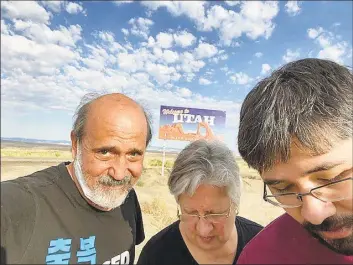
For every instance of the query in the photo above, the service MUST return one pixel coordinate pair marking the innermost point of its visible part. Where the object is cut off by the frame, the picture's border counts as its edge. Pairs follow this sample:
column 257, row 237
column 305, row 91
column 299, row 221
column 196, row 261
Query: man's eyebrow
column 323, row 167
column 273, row 182
column 135, row 150
column 105, row 147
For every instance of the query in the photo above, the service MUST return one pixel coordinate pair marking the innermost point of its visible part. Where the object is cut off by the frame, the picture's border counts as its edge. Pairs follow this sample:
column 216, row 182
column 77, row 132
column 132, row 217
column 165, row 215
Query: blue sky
column 195, row 54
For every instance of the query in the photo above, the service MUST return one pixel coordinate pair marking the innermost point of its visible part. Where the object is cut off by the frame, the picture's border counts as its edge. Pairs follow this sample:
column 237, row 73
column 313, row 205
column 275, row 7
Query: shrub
column 155, row 163
column 158, row 209
column 169, row 164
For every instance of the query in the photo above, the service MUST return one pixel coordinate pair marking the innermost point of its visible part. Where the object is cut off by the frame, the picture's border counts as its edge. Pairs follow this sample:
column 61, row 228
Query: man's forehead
column 303, row 162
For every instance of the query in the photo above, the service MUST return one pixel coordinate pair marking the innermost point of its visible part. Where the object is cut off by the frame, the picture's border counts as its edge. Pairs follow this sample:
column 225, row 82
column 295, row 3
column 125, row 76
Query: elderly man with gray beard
column 85, row 211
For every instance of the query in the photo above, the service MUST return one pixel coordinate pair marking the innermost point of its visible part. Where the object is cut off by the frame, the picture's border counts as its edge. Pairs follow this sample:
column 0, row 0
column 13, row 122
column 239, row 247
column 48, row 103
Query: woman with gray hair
column 206, row 184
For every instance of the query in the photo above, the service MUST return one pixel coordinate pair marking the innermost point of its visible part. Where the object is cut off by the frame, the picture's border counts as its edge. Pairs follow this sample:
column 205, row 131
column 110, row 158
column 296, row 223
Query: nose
column 118, row 168
column 316, row 211
column 204, row 227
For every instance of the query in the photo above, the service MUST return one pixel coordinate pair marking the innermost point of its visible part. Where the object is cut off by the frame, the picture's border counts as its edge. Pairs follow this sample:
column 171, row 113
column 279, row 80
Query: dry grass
column 159, row 212
column 35, row 153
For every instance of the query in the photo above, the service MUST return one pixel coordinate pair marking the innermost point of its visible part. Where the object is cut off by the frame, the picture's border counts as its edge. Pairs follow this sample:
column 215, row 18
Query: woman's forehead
column 205, row 198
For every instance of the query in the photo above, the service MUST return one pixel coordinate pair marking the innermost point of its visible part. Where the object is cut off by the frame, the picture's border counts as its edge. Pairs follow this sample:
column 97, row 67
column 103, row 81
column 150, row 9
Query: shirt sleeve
column 140, row 232
column 242, row 258
column 146, row 256
column 17, row 221
column 143, row 258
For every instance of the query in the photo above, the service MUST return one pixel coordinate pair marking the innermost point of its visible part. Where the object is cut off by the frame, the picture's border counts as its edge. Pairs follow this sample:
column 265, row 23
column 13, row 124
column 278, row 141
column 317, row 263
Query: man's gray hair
column 80, row 116
column 205, row 162
column 306, row 102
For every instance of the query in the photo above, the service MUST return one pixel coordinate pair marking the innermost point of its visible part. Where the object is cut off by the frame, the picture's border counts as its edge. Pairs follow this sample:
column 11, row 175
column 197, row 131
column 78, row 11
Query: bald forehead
column 114, row 100
column 118, row 109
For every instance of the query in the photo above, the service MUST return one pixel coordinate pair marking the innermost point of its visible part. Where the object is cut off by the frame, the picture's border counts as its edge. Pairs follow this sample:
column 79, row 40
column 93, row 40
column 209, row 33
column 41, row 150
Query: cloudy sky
column 195, row 54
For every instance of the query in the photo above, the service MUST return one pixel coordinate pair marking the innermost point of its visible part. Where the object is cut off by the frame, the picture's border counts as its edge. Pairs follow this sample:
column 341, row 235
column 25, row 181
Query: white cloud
column 170, row 56
column 240, row 78
column 254, row 19
column 335, row 52
column 4, row 28
column 41, row 33
column 193, row 9
column 330, row 45
column 54, row 6
column 218, row 58
column 129, row 62
column 258, row 54
column 204, row 81
column 232, row 3
column 258, row 18
column 313, row 33
column 118, row 3
column 125, row 31
column 291, row 55
column 184, row 92
column 73, row 8
column 292, row 8
column 106, row 36
column 164, row 40
column 98, row 57
column 205, row 50
column 189, row 64
column 265, row 68
column 27, row 56
column 166, row 56
column 162, row 73
column 224, row 69
column 235, row 44
column 27, row 10
column 141, row 26
column 184, row 39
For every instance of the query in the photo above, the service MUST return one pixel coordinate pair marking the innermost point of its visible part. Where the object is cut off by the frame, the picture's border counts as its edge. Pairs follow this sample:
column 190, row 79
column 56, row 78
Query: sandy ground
column 158, row 206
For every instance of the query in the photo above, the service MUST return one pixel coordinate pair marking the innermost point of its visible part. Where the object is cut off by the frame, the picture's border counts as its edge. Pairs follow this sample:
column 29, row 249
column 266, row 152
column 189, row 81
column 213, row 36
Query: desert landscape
column 158, row 206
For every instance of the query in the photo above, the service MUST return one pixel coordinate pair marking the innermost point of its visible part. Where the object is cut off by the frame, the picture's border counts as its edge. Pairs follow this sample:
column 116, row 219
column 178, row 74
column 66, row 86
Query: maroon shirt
column 285, row 241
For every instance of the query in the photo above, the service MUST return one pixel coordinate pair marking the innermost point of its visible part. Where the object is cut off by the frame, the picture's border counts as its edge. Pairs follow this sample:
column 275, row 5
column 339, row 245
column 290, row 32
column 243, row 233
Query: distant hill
column 38, row 141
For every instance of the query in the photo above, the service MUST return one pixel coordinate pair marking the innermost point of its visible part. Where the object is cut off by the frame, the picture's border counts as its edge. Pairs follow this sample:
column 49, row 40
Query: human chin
column 335, row 232
column 100, row 195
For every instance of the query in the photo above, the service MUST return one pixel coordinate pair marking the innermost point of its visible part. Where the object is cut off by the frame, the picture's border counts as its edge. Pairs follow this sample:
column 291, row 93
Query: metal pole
column 163, row 160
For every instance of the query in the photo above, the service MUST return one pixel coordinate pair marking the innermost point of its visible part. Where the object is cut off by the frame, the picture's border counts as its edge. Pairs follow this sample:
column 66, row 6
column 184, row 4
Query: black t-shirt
column 45, row 220
column 168, row 246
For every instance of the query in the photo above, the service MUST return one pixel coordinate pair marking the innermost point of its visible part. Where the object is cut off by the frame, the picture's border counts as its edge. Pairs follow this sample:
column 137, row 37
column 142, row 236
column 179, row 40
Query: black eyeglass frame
column 299, row 195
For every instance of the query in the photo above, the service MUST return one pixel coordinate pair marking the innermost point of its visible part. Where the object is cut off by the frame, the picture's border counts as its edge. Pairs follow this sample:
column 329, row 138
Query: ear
column 73, row 144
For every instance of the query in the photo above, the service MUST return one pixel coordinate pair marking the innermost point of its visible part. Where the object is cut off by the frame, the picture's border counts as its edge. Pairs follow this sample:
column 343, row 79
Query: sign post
column 163, row 159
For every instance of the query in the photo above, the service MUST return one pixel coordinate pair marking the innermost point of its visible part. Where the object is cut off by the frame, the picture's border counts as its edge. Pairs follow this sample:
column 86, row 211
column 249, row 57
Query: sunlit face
column 109, row 159
column 207, row 199
column 330, row 222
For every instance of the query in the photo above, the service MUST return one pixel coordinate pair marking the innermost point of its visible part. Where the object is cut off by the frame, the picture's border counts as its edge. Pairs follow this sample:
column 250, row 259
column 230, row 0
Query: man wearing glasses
column 206, row 184
column 296, row 130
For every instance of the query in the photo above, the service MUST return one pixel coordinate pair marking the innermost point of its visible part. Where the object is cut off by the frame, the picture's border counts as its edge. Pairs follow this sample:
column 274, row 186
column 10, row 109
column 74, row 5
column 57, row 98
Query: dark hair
column 306, row 102
column 82, row 110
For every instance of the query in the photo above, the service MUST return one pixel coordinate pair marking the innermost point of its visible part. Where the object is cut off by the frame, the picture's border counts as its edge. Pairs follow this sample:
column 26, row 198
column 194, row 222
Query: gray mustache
column 109, row 181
